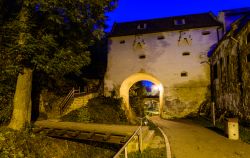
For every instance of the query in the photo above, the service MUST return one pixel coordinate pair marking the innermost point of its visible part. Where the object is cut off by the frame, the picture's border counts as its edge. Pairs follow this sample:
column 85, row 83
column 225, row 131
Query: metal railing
column 65, row 102
column 138, row 133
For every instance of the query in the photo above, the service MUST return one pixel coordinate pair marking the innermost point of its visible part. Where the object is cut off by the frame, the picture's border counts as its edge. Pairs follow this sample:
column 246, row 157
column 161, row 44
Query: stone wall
column 231, row 73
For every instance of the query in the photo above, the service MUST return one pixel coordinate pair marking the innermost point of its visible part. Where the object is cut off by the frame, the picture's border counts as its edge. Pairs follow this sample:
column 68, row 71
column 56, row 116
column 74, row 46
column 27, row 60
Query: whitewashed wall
column 165, row 61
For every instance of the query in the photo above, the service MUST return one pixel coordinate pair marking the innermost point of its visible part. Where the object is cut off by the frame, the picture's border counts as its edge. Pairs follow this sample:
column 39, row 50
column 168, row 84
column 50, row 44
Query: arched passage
column 127, row 83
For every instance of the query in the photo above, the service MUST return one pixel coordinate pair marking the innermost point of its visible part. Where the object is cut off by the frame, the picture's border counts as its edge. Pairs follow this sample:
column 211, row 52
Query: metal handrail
column 66, row 100
column 130, row 139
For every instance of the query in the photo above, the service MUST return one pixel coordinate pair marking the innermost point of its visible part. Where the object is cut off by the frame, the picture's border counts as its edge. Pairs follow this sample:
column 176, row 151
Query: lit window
column 142, row 56
column 184, row 74
column 205, row 32
column 186, row 53
column 179, row 21
column 141, row 26
column 160, row 37
column 122, row 41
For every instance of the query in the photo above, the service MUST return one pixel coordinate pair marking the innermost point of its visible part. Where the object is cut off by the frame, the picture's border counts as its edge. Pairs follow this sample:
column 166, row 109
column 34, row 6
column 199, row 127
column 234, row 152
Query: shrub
column 99, row 110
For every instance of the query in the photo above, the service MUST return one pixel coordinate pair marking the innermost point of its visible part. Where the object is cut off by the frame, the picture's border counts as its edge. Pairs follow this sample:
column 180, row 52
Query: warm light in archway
column 155, row 89
column 160, row 87
column 128, row 82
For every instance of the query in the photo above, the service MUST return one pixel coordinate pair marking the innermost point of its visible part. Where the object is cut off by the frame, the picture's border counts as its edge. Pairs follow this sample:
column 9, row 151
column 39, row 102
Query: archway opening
column 144, row 98
column 130, row 81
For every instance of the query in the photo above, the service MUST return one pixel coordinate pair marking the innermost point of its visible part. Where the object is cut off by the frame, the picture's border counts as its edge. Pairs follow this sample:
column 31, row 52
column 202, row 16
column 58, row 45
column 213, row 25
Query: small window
column 184, row 74
column 122, row 41
column 142, row 26
column 205, row 32
column 248, row 58
column 185, row 53
column 160, row 37
column 142, row 56
column 248, row 38
column 215, row 71
column 179, row 21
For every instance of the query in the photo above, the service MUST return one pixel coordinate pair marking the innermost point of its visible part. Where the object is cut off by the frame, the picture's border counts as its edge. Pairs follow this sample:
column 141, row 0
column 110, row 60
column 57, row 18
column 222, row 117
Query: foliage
column 26, row 144
column 99, row 110
column 137, row 93
column 148, row 153
column 56, row 34
column 50, row 37
column 7, row 87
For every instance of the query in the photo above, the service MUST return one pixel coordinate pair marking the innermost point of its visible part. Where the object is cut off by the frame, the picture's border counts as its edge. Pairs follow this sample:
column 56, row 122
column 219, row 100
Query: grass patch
column 26, row 144
column 148, row 153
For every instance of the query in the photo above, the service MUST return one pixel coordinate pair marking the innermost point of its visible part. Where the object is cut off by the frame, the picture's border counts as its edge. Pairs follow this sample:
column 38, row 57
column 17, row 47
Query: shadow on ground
column 217, row 130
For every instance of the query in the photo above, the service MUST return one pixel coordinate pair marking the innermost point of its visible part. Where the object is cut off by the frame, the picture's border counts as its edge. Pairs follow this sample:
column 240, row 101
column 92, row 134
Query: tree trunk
column 22, row 100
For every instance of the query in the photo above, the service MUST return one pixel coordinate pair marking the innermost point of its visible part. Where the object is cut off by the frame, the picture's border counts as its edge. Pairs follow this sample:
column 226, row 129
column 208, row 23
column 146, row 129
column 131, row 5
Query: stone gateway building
column 174, row 52
column 170, row 52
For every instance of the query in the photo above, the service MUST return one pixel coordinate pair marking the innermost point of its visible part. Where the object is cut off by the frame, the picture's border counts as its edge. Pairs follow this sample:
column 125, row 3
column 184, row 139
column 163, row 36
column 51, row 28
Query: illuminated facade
column 171, row 53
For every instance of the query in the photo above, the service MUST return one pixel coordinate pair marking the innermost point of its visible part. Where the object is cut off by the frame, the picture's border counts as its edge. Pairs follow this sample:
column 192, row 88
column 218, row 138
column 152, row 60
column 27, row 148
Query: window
column 221, row 68
column 122, row 41
column 142, row 26
column 142, row 56
column 248, row 58
column 160, row 37
column 185, row 53
column 215, row 71
column 205, row 32
column 228, row 67
column 179, row 21
column 184, row 74
column 248, row 38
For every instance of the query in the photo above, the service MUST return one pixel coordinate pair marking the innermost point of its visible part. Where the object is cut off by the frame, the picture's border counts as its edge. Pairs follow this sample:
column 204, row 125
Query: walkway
column 117, row 134
column 190, row 140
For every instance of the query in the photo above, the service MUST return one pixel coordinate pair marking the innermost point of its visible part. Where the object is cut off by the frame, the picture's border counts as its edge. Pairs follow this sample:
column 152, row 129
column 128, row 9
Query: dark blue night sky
column 130, row 10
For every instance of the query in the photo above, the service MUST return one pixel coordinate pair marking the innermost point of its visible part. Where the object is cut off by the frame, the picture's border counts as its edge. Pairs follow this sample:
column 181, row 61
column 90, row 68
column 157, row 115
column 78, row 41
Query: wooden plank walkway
column 117, row 134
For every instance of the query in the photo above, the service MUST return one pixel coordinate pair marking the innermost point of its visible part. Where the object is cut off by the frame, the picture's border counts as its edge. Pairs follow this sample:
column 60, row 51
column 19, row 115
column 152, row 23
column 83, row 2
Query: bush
column 136, row 103
column 6, row 109
column 5, row 114
column 99, row 110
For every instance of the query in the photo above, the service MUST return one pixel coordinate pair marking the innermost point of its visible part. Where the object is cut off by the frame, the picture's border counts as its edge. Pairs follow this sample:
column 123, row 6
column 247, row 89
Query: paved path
column 190, row 140
column 91, row 127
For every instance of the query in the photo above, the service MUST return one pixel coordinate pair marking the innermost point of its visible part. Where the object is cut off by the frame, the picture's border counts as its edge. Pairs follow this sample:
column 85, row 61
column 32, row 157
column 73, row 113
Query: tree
column 51, row 37
column 137, row 94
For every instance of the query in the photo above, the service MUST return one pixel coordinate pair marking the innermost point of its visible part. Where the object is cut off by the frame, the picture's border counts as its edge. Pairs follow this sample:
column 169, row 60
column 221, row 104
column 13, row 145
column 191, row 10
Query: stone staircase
column 80, row 101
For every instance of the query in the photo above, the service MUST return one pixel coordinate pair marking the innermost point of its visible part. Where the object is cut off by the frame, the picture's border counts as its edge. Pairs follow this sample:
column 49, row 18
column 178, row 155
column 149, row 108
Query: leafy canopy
column 55, row 35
